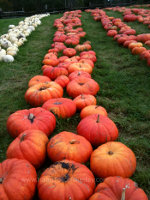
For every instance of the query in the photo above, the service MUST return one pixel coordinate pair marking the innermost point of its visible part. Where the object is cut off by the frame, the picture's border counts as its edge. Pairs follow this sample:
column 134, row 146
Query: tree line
column 52, row 5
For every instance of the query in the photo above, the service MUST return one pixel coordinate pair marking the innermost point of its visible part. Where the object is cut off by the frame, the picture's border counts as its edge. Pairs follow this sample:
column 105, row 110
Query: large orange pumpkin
column 82, row 85
column 38, row 79
column 113, row 159
column 66, row 180
column 18, row 180
column 84, row 100
column 118, row 188
column 34, row 118
column 97, row 129
column 69, row 52
column 93, row 109
column 62, row 107
column 29, row 145
column 67, row 145
column 40, row 93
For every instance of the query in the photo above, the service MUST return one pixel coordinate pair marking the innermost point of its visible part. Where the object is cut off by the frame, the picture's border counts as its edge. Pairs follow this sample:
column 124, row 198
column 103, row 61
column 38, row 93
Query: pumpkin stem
column 22, row 138
column 82, row 96
column 98, row 119
column 1, row 180
column 31, row 117
column 79, row 73
column 74, row 142
column 96, row 106
column 110, row 153
column 123, row 194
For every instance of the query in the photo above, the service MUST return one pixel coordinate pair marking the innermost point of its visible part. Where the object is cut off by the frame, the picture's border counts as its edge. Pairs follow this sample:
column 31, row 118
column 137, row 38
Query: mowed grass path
column 124, row 82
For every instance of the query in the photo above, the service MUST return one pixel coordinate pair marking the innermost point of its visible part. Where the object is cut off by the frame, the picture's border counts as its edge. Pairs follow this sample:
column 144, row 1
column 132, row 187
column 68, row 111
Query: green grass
column 124, row 80
column 4, row 23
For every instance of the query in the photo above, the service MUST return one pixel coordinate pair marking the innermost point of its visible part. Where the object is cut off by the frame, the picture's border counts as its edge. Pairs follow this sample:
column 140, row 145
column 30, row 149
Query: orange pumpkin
column 82, row 85
column 66, row 180
column 62, row 107
column 138, row 50
column 18, row 180
column 97, row 129
column 38, row 79
column 80, row 67
column 90, row 62
column 40, row 93
column 77, row 74
column 135, row 44
column 54, row 72
column 113, row 159
column 69, row 52
column 67, row 145
column 29, row 145
column 118, row 188
column 84, row 100
column 34, row 118
column 92, row 109
column 62, row 80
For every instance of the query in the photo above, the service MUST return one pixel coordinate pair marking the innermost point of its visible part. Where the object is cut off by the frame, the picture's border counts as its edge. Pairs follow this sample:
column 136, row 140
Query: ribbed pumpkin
column 34, row 118
column 90, row 62
column 84, row 100
column 62, row 80
column 80, row 67
column 67, row 145
column 113, row 159
column 93, row 109
column 54, row 72
column 62, row 107
column 69, row 52
column 38, row 79
column 82, row 85
column 29, row 145
column 40, row 93
column 97, row 129
column 18, row 180
column 51, row 61
column 118, row 188
column 66, row 180
column 138, row 50
column 77, row 74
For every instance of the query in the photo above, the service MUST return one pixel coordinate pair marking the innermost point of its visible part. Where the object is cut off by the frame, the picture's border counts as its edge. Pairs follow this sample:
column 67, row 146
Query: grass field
column 124, row 80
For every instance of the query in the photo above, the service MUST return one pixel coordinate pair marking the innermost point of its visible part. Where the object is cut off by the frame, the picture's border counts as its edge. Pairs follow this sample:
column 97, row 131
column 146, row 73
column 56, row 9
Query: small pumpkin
column 62, row 80
column 67, row 145
column 80, row 67
column 29, row 145
column 63, row 179
column 62, row 107
column 34, row 118
column 18, row 180
column 92, row 109
column 54, row 72
column 38, row 79
column 82, row 85
column 97, row 129
column 118, row 188
column 84, row 100
column 113, row 159
column 77, row 74
column 69, row 52
column 40, row 93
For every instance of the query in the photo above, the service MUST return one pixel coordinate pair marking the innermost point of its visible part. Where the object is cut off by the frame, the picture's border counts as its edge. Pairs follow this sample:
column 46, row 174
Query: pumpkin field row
column 68, row 67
